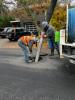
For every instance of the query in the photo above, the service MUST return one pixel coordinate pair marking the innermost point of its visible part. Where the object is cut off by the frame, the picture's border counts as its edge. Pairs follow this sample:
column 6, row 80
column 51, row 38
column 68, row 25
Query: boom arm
column 51, row 9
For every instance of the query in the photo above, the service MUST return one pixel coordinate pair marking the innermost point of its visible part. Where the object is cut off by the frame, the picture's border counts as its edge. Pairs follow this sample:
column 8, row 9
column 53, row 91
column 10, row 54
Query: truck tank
column 71, row 24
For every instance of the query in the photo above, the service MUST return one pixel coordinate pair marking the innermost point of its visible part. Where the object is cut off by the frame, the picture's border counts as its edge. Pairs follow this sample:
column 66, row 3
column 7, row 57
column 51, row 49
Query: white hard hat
column 44, row 24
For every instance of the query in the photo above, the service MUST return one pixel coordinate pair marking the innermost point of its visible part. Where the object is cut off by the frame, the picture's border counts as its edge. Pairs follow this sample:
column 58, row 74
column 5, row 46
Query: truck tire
column 10, row 39
column 3, row 36
column 69, row 66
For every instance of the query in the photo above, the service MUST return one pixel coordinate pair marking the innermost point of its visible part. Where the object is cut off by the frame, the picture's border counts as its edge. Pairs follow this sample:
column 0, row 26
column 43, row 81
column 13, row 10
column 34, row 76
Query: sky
column 11, row 6
column 72, row 2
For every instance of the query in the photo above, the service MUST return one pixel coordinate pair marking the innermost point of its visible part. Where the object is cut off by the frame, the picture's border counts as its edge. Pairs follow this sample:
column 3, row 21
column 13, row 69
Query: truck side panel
column 71, row 25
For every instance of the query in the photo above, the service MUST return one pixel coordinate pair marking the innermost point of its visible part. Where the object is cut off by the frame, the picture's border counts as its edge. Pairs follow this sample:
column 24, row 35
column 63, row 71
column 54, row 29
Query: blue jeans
column 57, row 45
column 25, row 50
column 51, row 43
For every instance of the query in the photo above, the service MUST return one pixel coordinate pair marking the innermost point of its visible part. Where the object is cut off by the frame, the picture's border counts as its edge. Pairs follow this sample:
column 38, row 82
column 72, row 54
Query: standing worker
column 26, row 43
column 49, row 30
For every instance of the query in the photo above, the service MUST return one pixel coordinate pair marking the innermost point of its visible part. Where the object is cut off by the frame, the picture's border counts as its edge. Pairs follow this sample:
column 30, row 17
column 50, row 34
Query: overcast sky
column 72, row 2
column 11, row 6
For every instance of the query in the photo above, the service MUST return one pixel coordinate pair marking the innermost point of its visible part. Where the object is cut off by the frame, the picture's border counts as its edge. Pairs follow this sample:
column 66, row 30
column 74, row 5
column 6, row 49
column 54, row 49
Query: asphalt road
column 46, row 80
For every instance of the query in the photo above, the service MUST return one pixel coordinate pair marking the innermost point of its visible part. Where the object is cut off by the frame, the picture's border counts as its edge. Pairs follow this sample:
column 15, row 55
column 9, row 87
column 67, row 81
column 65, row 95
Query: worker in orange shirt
column 26, row 43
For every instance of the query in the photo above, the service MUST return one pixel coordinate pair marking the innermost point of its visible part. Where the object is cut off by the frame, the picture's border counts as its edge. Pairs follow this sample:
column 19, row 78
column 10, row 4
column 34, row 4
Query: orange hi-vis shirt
column 26, row 39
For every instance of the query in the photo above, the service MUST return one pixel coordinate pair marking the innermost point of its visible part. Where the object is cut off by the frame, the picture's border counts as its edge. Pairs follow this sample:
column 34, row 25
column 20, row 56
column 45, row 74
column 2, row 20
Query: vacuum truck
column 67, row 37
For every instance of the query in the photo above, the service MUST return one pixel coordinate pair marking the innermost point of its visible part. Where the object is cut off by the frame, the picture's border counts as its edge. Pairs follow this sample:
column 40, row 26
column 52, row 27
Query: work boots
column 58, row 52
column 52, row 52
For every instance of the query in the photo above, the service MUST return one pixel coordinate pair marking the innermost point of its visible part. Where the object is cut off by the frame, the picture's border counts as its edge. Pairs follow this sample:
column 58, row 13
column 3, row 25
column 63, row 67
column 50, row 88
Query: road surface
column 45, row 80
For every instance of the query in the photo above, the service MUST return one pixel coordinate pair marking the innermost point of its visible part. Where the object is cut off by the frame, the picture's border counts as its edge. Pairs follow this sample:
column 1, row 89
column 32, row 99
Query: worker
column 26, row 43
column 49, row 31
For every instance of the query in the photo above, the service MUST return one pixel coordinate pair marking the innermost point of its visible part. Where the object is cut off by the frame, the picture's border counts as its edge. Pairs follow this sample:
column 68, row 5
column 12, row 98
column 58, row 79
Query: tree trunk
column 51, row 9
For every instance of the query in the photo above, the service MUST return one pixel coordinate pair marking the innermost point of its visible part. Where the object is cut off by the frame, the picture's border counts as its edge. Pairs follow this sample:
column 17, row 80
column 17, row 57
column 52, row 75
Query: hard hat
column 44, row 24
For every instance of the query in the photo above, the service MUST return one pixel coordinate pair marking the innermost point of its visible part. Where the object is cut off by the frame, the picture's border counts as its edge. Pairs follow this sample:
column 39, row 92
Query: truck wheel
column 15, row 39
column 67, row 65
column 10, row 39
column 70, row 67
column 3, row 36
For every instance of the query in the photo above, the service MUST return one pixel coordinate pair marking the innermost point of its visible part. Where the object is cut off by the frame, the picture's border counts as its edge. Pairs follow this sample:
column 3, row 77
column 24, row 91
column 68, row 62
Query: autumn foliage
column 59, row 18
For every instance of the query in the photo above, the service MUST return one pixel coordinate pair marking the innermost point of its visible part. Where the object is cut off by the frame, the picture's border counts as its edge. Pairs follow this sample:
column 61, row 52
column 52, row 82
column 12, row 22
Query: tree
column 19, row 13
column 50, row 10
column 58, row 19
column 35, row 12
column 5, row 21
column 27, row 4
column 3, row 7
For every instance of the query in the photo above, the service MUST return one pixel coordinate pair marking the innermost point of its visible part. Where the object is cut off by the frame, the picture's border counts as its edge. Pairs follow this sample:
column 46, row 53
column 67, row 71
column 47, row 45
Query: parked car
column 15, row 33
column 3, row 34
